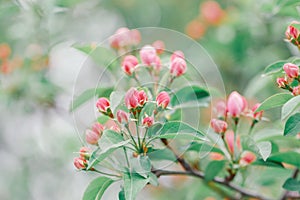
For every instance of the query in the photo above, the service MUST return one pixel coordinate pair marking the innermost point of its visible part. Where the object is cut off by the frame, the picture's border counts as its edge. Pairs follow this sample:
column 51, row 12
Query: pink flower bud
column 236, row 104
column 131, row 98
column 98, row 128
column 219, row 126
column 85, row 152
column 291, row 70
column 122, row 117
column 115, row 128
column 216, row 156
column 177, row 54
column 247, row 158
column 229, row 139
column 292, row 33
column 103, row 104
column 135, row 37
column 157, row 64
column 129, row 64
column 178, row 67
column 296, row 90
column 281, row 82
column 148, row 55
column 142, row 98
column 91, row 137
column 257, row 115
column 148, row 121
column 221, row 109
column 163, row 99
column 159, row 46
column 80, row 163
column 121, row 38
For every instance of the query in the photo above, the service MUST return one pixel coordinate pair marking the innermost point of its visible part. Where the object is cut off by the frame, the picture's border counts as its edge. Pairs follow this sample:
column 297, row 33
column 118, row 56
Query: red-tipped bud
column 221, row 109
column 178, row 67
column 291, row 70
column 148, row 55
column 219, row 126
column 148, row 121
column 229, row 139
column 291, row 33
column 98, row 128
column 163, row 99
column 91, row 137
column 216, row 156
column 159, row 46
column 80, row 163
column 281, row 82
column 257, row 115
column 103, row 104
column 121, row 38
column 85, row 152
column 131, row 98
column 115, row 128
column 129, row 64
column 177, row 54
column 211, row 12
column 247, row 158
column 236, row 104
column 142, row 97
column 296, row 90
column 122, row 117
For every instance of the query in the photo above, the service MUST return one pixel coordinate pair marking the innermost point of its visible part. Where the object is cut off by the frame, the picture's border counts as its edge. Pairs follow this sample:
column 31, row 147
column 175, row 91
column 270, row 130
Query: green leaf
column 161, row 154
column 268, row 163
column 171, row 130
column 291, row 184
column 292, row 125
column 109, row 142
column 89, row 94
column 292, row 158
column 133, row 184
column 274, row 101
column 153, row 179
column 203, row 147
column 102, row 56
column 289, row 107
column 190, row 96
column 96, row 188
column 103, row 119
column 213, row 169
column 116, row 99
column 147, row 110
column 122, row 195
column 274, row 68
column 265, row 149
column 141, row 165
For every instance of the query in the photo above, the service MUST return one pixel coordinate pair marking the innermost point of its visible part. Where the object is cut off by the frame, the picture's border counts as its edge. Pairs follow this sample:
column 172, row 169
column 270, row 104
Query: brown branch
column 189, row 171
column 287, row 194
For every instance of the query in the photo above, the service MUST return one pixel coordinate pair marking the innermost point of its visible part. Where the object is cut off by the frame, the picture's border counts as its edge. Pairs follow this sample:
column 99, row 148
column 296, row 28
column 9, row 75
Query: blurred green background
column 38, row 137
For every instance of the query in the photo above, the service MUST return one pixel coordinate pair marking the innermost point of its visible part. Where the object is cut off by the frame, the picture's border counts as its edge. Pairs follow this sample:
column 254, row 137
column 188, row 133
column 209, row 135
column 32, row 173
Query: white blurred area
column 37, row 149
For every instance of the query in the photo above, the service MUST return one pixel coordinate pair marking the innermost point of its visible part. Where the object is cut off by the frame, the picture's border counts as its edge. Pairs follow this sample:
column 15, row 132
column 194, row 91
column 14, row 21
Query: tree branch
column 189, row 171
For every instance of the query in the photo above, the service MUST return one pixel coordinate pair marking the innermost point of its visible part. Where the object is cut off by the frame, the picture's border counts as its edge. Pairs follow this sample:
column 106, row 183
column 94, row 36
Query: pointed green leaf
column 89, row 94
column 190, row 96
column 178, row 130
column 213, row 169
column 96, row 188
column 133, row 184
column 274, row 67
column 274, row 101
column 292, row 125
column 289, row 107
column 292, row 184
column 265, row 149
column 292, row 158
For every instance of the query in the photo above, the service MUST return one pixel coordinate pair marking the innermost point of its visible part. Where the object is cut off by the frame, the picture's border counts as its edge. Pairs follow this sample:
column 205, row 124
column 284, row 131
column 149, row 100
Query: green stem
column 106, row 174
column 235, row 126
column 137, row 80
column 138, row 135
column 135, row 144
column 252, row 126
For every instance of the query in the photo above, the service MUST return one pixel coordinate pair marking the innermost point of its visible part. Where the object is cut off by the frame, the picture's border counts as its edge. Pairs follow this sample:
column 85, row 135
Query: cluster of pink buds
column 292, row 33
column 291, row 80
column 124, row 39
column 226, row 123
column 81, row 162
